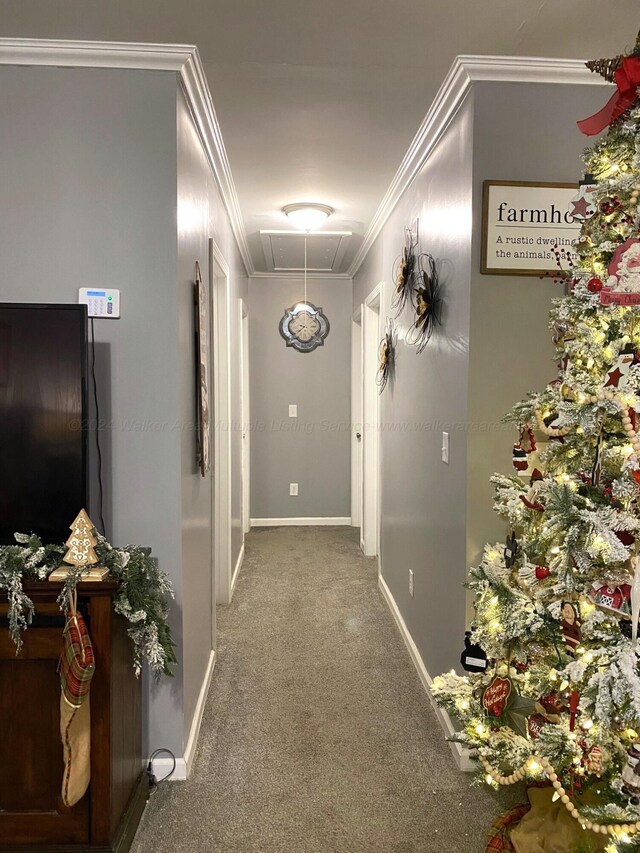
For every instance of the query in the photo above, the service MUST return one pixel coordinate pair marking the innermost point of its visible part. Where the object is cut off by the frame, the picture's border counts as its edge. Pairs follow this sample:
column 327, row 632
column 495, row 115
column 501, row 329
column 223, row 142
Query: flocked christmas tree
column 557, row 607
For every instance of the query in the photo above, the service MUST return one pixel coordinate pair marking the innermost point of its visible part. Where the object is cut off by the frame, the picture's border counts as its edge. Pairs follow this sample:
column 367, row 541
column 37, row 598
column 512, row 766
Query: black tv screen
column 43, row 419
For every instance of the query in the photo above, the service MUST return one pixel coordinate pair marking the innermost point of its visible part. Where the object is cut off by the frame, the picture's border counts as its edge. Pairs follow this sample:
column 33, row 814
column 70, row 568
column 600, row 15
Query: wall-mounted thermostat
column 100, row 302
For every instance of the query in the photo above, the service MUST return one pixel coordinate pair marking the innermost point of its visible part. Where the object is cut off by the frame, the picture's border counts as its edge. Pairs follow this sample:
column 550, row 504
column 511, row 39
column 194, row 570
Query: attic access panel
column 284, row 250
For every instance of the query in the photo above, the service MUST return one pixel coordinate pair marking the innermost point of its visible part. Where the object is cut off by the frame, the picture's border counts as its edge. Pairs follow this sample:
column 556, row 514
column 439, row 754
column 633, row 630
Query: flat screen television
column 43, row 419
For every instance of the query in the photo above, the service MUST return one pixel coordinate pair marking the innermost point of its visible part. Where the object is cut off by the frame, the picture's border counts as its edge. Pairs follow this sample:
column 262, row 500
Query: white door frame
column 246, row 416
column 221, row 345
column 356, row 419
column 371, row 334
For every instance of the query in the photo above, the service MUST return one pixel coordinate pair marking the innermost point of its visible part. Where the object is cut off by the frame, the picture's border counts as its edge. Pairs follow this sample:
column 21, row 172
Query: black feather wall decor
column 405, row 273
column 427, row 302
column 387, row 355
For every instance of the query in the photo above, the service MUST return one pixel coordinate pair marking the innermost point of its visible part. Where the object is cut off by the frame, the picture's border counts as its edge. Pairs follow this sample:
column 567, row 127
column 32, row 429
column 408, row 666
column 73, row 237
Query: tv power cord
column 151, row 776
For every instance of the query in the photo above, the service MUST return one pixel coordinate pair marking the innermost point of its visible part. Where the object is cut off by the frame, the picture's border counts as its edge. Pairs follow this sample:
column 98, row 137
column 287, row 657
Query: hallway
column 317, row 736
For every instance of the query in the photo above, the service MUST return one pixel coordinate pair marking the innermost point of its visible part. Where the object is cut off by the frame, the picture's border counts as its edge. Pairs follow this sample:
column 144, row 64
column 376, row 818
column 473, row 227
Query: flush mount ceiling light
column 308, row 216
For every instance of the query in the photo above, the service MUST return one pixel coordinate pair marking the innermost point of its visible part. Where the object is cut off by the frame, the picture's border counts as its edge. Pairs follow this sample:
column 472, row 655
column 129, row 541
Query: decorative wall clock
column 304, row 327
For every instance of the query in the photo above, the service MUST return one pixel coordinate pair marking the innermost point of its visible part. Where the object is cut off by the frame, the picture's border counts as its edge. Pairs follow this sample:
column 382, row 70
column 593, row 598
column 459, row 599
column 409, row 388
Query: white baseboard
column 461, row 754
column 342, row 521
column 162, row 765
column 236, row 571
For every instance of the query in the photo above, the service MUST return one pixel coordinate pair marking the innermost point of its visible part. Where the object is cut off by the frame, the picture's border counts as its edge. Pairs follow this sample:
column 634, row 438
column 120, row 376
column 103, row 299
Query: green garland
column 142, row 595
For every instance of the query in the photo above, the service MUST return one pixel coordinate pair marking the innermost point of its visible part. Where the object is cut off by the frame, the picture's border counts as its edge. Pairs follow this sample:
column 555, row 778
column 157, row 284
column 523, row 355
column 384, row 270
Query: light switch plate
column 293, row 410
column 293, row 489
column 445, row 447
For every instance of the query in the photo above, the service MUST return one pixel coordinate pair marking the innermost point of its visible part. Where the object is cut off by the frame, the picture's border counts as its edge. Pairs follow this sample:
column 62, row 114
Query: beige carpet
column 317, row 736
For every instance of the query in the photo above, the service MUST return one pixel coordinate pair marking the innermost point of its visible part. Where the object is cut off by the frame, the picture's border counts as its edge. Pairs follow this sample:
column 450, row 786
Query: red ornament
column 594, row 285
column 616, row 599
column 494, row 698
column 535, row 725
column 542, row 572
column 573, row 709
column 625, row 537
column 553, row 704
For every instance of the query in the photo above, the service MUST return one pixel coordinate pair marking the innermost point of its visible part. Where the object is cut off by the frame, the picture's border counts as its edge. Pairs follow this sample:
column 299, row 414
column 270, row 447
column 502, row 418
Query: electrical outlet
column 411, row 582
column 293, row 410
column 293, row 489
column 445, row 447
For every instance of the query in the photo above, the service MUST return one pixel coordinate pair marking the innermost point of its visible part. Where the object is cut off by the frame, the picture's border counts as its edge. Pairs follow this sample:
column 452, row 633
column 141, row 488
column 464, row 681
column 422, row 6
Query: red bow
column 627, row 80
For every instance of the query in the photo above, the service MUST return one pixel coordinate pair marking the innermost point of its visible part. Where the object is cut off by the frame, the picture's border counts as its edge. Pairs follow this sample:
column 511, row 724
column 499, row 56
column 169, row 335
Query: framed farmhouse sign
column 522, row 222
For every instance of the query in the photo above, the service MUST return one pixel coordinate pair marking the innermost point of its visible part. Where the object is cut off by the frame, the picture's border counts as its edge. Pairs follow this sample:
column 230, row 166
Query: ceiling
column 319, row 101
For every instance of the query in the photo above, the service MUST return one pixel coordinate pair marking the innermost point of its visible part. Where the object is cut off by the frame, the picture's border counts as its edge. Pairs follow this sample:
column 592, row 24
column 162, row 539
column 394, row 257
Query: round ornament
column 594, row 285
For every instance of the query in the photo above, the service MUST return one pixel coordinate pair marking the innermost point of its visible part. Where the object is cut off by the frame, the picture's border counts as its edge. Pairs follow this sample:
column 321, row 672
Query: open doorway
column 371, row 335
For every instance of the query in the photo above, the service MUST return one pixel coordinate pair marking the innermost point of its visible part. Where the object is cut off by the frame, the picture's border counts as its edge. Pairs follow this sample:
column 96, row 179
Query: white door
column 356, row 421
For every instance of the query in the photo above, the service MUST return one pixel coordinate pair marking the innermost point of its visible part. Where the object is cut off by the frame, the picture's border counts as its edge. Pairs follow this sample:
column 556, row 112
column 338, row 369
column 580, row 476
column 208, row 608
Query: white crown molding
column 196, row 88
column 184, row 60
column 94, row 54
column 465, row 71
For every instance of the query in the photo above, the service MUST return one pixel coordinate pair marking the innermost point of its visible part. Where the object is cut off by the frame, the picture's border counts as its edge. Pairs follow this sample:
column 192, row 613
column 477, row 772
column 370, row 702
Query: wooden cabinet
column 32, row 816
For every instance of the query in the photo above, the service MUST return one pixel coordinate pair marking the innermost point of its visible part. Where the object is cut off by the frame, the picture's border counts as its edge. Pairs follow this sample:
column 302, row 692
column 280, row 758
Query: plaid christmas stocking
column 76, row 671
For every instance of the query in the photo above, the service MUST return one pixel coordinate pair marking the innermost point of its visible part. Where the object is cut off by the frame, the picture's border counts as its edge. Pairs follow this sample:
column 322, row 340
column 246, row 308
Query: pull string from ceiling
column 305, row 269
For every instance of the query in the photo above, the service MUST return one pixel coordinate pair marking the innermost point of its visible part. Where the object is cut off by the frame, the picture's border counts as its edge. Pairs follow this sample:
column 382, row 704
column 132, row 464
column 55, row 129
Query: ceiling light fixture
column 308, row 216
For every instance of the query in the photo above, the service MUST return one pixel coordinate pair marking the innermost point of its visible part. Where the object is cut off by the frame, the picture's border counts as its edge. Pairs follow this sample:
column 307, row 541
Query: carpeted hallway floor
column 317, row 736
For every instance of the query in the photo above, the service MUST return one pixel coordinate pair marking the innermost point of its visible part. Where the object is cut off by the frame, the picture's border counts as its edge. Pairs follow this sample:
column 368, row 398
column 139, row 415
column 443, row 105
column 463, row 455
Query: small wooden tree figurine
column 81, row 542
column 80, row 551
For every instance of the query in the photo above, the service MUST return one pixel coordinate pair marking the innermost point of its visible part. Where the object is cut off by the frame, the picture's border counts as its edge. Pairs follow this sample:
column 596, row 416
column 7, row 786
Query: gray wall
column 494, row 346
column 313, row 449
column 88, row 176
column 521, row 133
column 423, row 500
column 97, row 166
column 200, row 216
